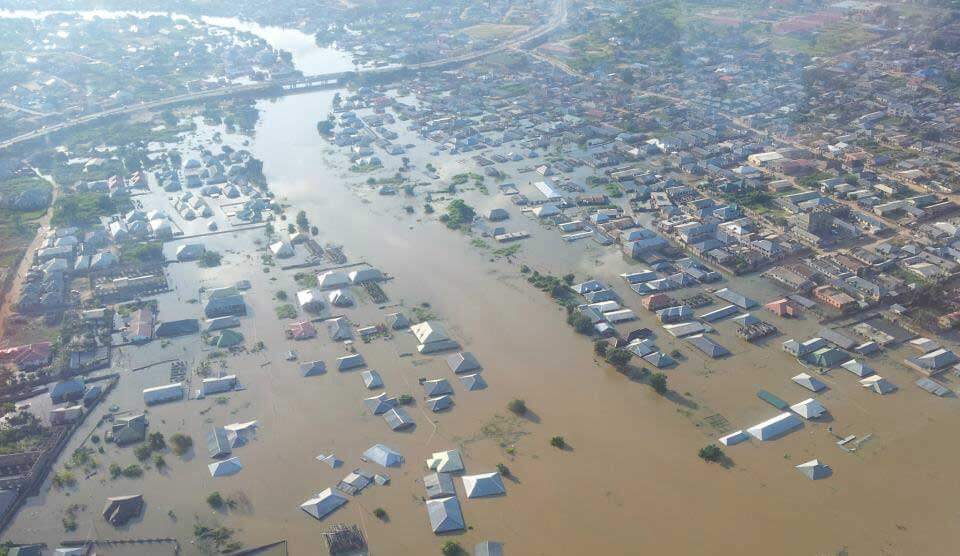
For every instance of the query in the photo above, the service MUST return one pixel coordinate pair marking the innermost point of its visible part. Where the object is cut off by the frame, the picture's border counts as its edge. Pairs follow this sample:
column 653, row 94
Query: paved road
column 558, row 19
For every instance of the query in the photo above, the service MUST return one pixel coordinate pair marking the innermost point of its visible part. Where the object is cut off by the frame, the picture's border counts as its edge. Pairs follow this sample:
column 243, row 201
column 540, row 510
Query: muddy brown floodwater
column 631, row 482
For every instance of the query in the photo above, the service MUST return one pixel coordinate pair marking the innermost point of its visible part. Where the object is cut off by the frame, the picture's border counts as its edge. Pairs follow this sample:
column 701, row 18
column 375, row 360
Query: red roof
column 28, row 355
column 302, row 330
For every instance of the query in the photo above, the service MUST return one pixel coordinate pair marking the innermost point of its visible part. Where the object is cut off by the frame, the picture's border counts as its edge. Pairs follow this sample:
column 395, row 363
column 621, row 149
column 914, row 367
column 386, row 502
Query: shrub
column 380, row 513
column 452, row 548
column 503, row 470
column 156, row 441
column 132, row 471
column 600, row 348
column 619, row 358
column 142, row 451
column 210, row 259
column 159, row 462
column 659, row 383
column 558, row 442
column 580, row 322
column 281, row 295
column 711, row 453
column 63, row 479
column 215, row 500
column 405, row 399
column 517, row 406
column 181, row 443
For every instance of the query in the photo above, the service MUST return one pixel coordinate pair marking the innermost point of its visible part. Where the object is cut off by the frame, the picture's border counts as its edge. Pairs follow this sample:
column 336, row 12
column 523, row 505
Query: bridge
column 305, row 83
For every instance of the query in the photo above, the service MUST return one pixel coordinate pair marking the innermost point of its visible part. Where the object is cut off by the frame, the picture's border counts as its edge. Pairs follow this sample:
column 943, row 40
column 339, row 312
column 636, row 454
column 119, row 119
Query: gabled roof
column 473, row 382
column 371, row 379
column 659, row 359
column 313, row 368
column 485, row 484
column 398, row 321
column 225, row 468
column 352, row 361
column 380, row 403
column 708, row 346
column 878, row 384
column 120, row 509
column 463, row 362
column 217, row 444
column 439, row 485
column 436, row 387
column 339, row 329
column 332, row 279
column 397, row 419
column 445, row 515
column 439, row 403
column 323, row 503
column 365, row 275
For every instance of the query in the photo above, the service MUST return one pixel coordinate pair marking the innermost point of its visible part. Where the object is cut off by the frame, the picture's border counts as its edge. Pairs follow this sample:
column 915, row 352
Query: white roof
column 281, row 249
column 446, row 462
column 323, row 504
column 365, row 275
column 733, row 438
column 775, row 427
column 809, row 382
column 429, row 331
column 485, row 484
column 545, row 210
column 878, row 384
column 332, row 279
column 809, row 408
column 382, row 455
column 813, row 469
column 226, row 467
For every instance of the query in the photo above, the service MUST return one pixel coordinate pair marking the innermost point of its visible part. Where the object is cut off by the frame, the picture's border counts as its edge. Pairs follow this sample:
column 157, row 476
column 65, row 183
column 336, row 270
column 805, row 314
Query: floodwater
column 308, row 57
column 631, row 482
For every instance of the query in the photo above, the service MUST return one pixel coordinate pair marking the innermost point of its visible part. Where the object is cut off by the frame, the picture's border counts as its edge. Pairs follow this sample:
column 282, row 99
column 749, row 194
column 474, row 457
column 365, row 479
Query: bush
column 503, row 470
column 517, row 406
column 711, row 453
column 142, row 451
column 380, row 513
column 580, row 322
column 132, row 471
column 181, row 443
column 281, row 295
column 63, row 479
column 404, row 399
column 558, row 442
column 600, row 348
column 619, row 358
column 156, row 441
column 659, row 383
column 215, row 500
column 452, row 548
column 210, row 259
column 159, row 462
column 428, row 208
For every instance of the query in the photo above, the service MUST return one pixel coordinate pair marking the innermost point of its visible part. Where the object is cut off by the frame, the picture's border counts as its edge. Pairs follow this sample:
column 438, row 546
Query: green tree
column 517, row 406
column 711, row 453
column 659, row 383
column 619, row 358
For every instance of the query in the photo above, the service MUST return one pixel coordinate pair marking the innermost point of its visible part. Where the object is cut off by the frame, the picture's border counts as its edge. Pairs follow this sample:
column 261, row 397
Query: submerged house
column 432, row 337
